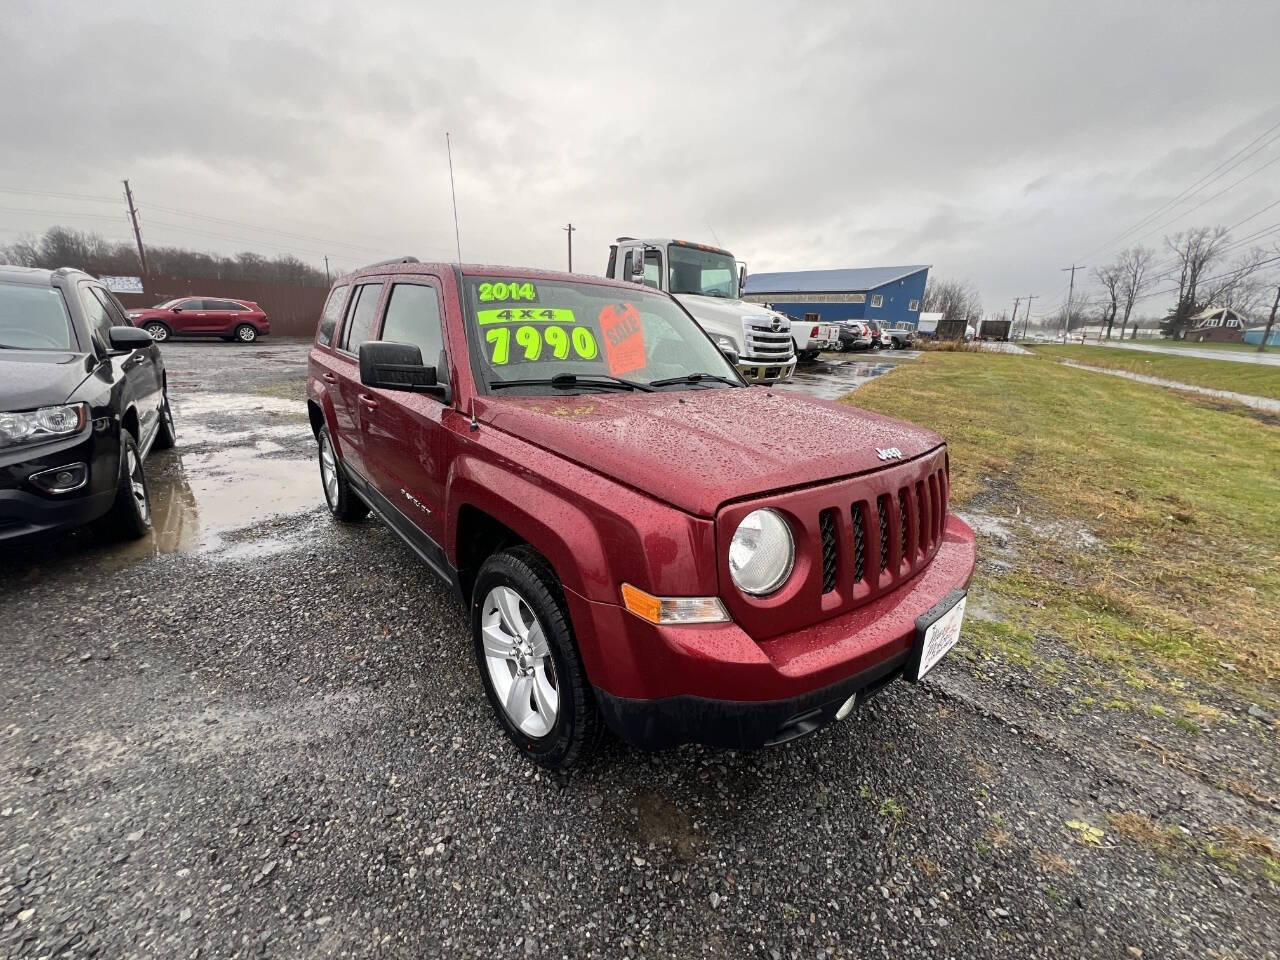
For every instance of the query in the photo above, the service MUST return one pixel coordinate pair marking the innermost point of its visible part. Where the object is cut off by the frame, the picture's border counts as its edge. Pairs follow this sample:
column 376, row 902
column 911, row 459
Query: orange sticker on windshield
column 623, row 338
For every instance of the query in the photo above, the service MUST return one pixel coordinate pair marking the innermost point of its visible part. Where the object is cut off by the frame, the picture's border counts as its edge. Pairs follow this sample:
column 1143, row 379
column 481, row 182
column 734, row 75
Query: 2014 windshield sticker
column 499, row 291
column 623, row 338
column 539, row 343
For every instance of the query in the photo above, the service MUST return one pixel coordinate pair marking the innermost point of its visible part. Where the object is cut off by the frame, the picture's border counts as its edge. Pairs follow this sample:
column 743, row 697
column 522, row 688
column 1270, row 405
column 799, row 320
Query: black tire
column 246, row 333
column 159, row 332
column 343, row 502
column 130, row 515
column 577, row 729
column 166, row 432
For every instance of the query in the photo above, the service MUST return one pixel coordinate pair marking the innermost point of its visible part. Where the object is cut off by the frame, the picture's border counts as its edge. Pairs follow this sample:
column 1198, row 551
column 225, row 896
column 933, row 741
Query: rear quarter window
column 329, row 316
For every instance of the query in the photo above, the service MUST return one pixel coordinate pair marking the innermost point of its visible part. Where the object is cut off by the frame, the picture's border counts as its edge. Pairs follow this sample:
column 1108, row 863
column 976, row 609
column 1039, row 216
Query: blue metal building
column 891, row 294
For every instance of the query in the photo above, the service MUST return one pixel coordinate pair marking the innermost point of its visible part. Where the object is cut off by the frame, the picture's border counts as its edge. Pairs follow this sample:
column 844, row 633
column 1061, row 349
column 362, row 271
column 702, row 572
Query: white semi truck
column 708, row 282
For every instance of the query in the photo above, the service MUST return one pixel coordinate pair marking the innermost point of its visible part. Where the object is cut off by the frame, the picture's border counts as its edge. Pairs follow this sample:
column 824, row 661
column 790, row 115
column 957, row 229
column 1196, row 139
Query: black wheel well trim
column 479, row 535
column 316, row 415
column 129, row 422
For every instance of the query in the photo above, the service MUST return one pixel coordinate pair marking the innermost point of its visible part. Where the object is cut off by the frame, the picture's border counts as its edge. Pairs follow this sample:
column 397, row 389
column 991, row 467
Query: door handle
column 369, row 401
column 329, row 378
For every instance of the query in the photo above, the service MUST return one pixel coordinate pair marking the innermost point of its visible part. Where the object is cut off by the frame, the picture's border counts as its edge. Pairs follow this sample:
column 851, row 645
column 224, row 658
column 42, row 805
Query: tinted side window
column 413, row 316
column 192, row 305
column 222, row 305
column 329, row 317
column 97, row 315
column 360, row 317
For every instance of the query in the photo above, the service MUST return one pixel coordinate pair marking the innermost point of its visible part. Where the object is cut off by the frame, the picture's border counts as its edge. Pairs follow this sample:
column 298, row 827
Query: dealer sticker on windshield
column 940, row 636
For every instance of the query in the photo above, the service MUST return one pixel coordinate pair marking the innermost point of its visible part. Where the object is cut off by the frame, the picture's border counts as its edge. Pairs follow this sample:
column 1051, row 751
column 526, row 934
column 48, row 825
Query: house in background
column 1217, row 323
column 890, row 294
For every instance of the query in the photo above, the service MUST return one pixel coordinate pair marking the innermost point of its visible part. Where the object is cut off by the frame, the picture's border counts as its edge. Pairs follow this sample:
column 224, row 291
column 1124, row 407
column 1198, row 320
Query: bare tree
column 63, row 247
column 1196, row 252
column 1134, row 281
column 1110, row 278
column 956, row 300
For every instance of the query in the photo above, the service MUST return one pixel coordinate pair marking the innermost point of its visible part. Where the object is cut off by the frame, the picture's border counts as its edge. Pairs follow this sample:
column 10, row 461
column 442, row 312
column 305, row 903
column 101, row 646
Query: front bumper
column 26, row 511
column 767, row 371
column 714, row 684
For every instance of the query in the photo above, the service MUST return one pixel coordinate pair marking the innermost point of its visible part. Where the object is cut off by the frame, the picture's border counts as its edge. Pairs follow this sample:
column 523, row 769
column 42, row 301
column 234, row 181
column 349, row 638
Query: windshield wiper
column 570, row 380
column 694, row 378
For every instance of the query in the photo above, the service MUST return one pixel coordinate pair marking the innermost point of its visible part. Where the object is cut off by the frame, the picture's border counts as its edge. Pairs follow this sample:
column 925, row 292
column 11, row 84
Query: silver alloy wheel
column 518, row 656
column 247, row 334
column 138, row 483
column 328, row 471
column 159, row 332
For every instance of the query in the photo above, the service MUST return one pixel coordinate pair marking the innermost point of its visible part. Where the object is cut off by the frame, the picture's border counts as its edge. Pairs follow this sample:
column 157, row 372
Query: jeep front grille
column 917, row 515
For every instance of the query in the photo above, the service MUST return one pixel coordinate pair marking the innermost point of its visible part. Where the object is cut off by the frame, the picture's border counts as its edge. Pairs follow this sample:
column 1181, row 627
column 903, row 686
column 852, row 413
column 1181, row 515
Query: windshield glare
column 539, row 329
column 705, row 272
column 33, row 318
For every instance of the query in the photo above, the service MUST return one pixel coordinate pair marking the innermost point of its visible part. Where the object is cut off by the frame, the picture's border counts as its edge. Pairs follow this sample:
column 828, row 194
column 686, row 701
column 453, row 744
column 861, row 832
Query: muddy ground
column 260, row 733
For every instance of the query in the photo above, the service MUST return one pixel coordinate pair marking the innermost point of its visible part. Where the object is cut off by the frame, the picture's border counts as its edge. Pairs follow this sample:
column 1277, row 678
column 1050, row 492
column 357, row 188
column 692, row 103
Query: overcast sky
column 997, row 145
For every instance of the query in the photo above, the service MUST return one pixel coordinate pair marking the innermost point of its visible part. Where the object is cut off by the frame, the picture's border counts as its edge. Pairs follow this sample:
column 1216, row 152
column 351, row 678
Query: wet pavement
column 834, row 374
column 261, row 733
column 1270, row 358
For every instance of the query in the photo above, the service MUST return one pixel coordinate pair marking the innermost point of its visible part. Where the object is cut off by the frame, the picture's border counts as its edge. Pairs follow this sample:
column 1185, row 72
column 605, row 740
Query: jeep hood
column 699, row 449
column 39, row 378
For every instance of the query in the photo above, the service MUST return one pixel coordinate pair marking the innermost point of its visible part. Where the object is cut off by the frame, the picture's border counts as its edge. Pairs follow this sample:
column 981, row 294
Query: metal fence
column 292, row 308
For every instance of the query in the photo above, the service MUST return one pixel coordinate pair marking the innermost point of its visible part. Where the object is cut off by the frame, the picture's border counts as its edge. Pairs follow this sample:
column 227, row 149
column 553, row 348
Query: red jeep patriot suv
column 645, row 542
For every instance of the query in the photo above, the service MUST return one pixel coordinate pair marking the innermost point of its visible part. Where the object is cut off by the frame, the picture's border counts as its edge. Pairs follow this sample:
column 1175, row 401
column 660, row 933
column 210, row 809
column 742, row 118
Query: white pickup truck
column 708, row 282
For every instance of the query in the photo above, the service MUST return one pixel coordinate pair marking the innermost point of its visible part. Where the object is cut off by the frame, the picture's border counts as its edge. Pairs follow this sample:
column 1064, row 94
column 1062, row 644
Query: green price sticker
column 515, row 290
column 524, row 315
column 540, row 343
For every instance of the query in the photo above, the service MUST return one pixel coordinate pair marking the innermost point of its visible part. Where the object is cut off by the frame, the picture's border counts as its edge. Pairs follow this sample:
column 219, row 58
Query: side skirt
column 432, row 553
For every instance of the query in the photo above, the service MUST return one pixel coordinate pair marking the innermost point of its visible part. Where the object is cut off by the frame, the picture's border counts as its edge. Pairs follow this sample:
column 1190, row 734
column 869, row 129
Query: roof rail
column 387, row 263
column 620, row 239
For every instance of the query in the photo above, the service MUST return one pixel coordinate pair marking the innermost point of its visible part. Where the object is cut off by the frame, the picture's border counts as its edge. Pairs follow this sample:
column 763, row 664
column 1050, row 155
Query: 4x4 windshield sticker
column 623, row 338
column 524, row 315
column 515, row 290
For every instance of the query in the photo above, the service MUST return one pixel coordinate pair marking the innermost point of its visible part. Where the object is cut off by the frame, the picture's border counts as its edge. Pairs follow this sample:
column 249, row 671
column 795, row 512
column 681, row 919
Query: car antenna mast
column 457, row 236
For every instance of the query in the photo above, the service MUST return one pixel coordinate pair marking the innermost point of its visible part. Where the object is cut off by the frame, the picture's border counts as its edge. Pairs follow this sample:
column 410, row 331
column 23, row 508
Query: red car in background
column 241, row 320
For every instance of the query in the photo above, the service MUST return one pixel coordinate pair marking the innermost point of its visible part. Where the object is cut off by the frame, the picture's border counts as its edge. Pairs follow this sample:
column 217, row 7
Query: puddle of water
column 237, row 404
column 831, row 380
column 197, row 499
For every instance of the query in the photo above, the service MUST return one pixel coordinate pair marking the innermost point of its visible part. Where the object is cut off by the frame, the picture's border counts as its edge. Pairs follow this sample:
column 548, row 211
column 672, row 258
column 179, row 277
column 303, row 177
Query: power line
column 1196, row 186
column 1224, row 190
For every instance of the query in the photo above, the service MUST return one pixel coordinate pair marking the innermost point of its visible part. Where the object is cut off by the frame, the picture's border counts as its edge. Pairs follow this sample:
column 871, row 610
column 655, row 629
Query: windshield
column 706, row 272
column 537, row 330
column 168, row 304
column 33, row 318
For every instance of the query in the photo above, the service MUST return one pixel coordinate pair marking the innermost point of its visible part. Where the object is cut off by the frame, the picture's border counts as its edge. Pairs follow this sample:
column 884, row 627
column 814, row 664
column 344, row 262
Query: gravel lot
column 262, row 734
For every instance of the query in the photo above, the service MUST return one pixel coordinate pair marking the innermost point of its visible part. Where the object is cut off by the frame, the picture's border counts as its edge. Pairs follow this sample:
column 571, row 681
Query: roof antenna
column 453, row 193
column 474, row 425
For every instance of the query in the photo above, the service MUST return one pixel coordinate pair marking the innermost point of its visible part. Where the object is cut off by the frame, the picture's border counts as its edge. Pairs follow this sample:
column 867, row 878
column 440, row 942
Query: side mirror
column 175, row 309
column 742, row 280
column 398, row 366
column 637, row 266
column 128, row 339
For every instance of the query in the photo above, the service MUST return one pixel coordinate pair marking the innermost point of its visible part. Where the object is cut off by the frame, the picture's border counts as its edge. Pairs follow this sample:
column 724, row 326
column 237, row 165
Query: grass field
column 1256, row 379
column 1141, row 524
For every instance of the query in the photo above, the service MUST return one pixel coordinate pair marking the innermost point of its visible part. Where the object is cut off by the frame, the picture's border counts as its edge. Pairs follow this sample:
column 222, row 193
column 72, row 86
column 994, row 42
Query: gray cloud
column 996, row 143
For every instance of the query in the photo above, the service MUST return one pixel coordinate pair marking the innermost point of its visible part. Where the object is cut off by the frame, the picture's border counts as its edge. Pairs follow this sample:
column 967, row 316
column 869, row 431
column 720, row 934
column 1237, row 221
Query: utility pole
column 326, row 269
column 1071, row 287
column 1266, row 334
column 1016, row 301
column 137, row 233
column 569, row 230
column 1027, row 320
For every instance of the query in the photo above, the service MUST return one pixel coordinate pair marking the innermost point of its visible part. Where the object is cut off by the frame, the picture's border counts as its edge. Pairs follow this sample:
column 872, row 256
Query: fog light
column 62, row 479
column 846, row 708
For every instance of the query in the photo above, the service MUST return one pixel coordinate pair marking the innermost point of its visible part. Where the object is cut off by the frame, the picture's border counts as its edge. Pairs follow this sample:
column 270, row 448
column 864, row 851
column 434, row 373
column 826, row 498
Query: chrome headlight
column 47, row 423
column 761, row 553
